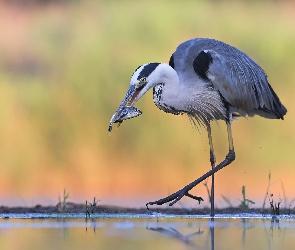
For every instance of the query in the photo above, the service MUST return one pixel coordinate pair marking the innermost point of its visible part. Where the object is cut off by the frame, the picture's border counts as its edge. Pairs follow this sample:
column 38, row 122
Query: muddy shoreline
column 80, row 208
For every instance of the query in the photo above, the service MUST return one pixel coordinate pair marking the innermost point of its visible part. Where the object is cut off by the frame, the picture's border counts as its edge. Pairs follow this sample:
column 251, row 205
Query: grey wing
column 241, row 82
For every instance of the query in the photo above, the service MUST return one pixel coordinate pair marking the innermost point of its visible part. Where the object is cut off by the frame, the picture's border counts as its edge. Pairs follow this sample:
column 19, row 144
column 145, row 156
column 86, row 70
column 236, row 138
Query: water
column 156, row 231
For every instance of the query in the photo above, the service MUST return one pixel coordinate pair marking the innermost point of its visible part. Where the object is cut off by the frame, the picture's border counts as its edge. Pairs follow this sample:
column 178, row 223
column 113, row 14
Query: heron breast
column 157, row 93
column 158, row 100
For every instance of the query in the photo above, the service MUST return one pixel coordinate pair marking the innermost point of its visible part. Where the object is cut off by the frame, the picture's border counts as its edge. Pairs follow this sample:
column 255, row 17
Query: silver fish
column 128, row 112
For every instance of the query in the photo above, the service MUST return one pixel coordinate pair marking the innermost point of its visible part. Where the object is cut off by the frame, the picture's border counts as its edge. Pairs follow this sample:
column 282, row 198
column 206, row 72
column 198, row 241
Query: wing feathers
column 240, row 81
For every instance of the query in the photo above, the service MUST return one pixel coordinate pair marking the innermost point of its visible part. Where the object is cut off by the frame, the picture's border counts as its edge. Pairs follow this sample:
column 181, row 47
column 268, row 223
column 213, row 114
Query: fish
column 128, row 112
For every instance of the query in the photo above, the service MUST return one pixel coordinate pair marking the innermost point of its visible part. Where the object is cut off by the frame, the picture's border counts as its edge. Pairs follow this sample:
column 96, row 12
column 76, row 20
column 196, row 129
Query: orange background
column 64, row 69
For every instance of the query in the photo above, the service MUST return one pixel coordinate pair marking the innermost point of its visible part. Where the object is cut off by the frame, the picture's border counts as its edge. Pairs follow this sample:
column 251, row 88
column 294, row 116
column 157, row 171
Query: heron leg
column 175, row 197
column 230, row 137
column 212, row 161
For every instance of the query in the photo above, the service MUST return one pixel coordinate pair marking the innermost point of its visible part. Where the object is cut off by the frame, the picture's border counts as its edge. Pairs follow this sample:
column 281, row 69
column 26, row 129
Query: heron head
column 144, row 78
column 139, row 84
column 141, row 81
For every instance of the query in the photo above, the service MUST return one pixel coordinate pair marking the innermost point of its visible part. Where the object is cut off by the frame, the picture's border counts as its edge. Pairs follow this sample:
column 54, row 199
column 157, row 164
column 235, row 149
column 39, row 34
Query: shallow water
column 123, row 231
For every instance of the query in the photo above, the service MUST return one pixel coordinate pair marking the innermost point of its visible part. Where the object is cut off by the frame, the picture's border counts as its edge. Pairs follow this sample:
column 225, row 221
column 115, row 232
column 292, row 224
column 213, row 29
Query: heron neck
column 167, row 90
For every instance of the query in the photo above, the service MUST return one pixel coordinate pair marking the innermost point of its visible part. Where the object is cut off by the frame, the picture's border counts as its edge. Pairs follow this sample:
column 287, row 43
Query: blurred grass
column 64, row 68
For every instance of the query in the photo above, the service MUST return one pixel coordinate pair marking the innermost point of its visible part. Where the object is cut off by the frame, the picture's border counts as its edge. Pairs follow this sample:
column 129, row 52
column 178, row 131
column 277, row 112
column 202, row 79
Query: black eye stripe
column 147, row 70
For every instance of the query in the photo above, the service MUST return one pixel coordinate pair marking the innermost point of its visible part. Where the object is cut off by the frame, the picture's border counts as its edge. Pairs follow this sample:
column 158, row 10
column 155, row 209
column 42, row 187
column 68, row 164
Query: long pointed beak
column 129, row 99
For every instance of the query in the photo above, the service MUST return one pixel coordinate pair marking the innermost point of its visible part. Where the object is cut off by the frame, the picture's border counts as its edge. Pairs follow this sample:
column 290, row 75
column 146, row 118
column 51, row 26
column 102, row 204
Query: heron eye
column 142, row 80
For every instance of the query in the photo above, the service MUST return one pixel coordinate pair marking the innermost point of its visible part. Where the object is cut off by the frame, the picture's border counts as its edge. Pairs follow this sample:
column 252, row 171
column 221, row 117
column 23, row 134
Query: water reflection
column 245, row 224
column 175, row 234
column 212, row 226
column 149, row 233
column 93, row 224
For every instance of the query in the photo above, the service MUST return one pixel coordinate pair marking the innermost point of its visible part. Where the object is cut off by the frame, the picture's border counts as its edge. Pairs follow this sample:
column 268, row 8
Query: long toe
column 199, row 199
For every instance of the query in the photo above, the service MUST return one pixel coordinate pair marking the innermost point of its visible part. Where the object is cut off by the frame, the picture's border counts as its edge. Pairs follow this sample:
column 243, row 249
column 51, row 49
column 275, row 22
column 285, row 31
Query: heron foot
column 175, row 197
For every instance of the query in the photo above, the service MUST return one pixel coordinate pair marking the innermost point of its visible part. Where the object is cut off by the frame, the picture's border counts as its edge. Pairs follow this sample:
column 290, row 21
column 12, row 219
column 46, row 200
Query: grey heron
column 208, row 80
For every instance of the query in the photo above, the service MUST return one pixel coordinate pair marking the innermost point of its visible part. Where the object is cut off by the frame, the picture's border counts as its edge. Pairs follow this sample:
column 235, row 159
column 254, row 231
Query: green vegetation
column 267, row 190
column 245, row 202
column 275, row 207
column 91, row 208
column 62, row 203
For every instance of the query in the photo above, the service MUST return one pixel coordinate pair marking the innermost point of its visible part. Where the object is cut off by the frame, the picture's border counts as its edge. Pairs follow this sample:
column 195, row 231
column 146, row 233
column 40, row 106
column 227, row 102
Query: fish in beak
column 126, row 109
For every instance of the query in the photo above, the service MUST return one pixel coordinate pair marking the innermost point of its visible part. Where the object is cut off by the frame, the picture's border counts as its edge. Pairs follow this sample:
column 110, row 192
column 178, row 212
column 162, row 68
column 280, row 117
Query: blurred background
column 65, row 67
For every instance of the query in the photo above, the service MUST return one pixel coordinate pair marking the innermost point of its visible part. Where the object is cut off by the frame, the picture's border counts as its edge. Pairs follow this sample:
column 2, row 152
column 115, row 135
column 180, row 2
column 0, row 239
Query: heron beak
column 129, row 100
